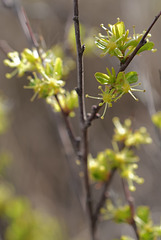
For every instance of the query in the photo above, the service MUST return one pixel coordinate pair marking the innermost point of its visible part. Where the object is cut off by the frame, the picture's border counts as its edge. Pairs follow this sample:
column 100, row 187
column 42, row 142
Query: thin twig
column 93, row 115
column 140, row 44
column 103, row 198
column 73, row 139
column 5, row 47
column 25, row 23
column 130, row 201
column 125, row 65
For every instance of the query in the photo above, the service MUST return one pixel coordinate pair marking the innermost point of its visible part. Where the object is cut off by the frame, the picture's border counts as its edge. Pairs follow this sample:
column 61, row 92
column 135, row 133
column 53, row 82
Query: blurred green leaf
column 156, row 119
column 131, row 77
column 58, row 69
column 143, row 213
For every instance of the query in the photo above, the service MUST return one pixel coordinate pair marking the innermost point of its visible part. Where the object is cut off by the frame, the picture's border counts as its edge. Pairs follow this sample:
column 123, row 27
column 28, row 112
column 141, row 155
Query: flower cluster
column 45, row 76
column 115, row 86
column 125, row 135
column 122, row 214
column 68, row 102
column 124, row 160
column 118, row 43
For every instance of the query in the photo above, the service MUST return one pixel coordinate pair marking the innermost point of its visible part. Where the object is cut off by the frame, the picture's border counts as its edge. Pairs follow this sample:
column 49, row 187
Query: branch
column 103, row 198
column 140, row 44
column 131, row 205
column 26, row 24
column 5, row 47
column 93, row 115
column 83, row 128
column 80, row 50
column 125, row 65
column 75, row 142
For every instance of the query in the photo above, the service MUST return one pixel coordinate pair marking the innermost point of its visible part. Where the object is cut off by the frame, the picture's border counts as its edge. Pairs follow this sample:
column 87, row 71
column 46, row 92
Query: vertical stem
column 103, row 198
column 80, row 50
column 82, row 113
column 132, row 209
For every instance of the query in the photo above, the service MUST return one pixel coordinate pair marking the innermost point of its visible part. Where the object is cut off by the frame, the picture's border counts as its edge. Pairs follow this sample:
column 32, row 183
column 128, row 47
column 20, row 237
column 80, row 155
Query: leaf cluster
column 45, row 71
column 19, row 221
column 124, row 160
column 118, row 43
column 122, row 214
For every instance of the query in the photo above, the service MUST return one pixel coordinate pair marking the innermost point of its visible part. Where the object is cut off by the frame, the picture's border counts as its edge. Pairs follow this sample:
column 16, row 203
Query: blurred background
column 40, row 168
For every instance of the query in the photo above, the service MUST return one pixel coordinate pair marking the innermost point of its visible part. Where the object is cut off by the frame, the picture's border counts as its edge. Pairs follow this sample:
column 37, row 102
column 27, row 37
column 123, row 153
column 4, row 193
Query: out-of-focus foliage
column 68, row 102
column 156, row 118
column 22, row 222
column 86, row 38
column 18, row 220
column 125, row 134
column 146, row 229
column 3, row 117
column 124, row 160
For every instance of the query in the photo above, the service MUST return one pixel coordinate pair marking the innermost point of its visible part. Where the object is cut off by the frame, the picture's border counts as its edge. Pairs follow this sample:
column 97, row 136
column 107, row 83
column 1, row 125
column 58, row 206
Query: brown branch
column 5, row 47
column 80, row 50
column 84, row 133
column 75, row 142
column 93, row 115
column 125, row 65
column 103, row 198
column 140, row 44
column 130, row 201
column 25, row 23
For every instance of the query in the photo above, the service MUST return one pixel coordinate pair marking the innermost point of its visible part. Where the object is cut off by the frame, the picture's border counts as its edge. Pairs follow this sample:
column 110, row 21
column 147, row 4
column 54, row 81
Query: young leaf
column 118, row 53
column 119, row 29
column 130, row 43
column 131, row 77
column 143, row 213
column 102, row 78
column 146, row 47
column 58, row 68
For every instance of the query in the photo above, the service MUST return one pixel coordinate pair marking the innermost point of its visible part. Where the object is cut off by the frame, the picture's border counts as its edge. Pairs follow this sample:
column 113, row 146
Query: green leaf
column 58, row 68
column 143, row 213
column 118, row 53
column 102, row 78
column 130, row 43
column 156, row 119
column 131, row 77
column 122, row 214
column 126, row 238
column 146, row 47
column 119, row 29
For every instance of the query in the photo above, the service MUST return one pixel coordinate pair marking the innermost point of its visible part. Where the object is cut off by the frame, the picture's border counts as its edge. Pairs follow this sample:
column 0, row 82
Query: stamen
column 133, row 95
column 135, row 85
column 98, row 98
column 137, row 90
column 134, row 34
column 102, row 26
column 119, row 96
column 102, row 117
